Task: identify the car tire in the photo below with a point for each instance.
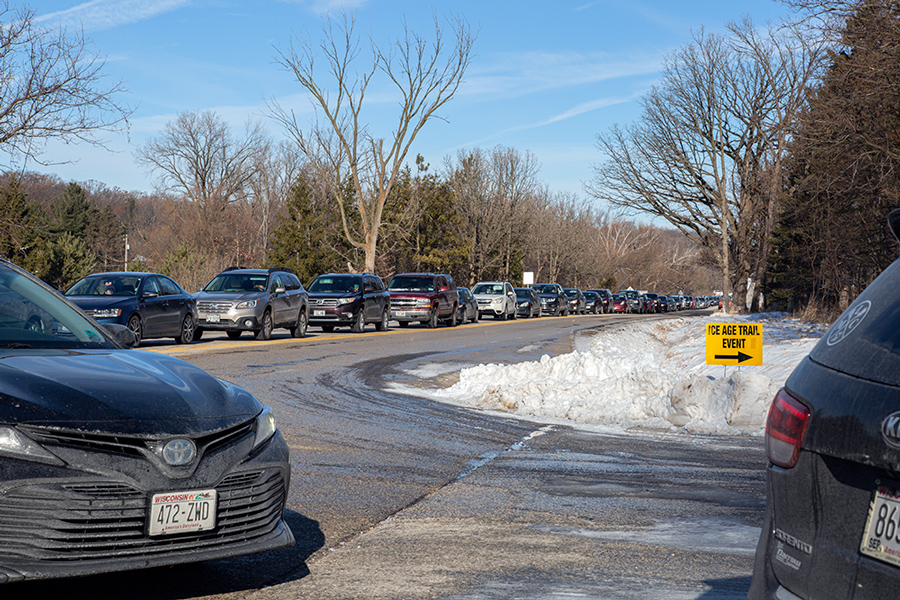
(432, 319)
(451, 322)
(475, 318)
(233, 334)
(382, 325)
(265, 332)
(327, 328)
(515, 314)
(403, 324)
(198, 333)
(137, 328)
(187, 330)
(299, 329)
(359, 323)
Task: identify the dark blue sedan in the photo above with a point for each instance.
(149, 304)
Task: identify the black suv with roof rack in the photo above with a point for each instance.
(257, 300)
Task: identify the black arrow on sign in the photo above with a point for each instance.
(740, 357)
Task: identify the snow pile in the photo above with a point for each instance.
(649, 374)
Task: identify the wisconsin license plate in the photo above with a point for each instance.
(318, 313)
(182, 512)
(881, 538)
(212, 318)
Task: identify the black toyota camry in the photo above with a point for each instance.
(832, 528)
(113, 458)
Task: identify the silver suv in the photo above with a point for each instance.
(257, 300)
(495, 298)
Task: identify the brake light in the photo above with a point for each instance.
(785, 428)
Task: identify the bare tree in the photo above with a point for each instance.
(341, 147)
(198, 157)
(51, 87)
(711, 134)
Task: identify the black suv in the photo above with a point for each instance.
(553, 299)
(257, 300)
(349, 299)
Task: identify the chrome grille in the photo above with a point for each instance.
(214, 308)
(326, 302)
(131, 445)
(103, 520)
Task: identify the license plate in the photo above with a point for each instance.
(881, 538)
(212, 318)
(318, 313)
(400, 313)
(181, 512)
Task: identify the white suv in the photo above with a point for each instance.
(495, 298)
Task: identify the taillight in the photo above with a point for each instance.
(785, 427)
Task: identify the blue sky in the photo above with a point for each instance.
(546, 76)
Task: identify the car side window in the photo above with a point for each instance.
(167, 286)
(276, 283)
(151, 286)
(378, 284)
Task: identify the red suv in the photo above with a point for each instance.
(424, 297)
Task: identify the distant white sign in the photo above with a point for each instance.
(528, 278)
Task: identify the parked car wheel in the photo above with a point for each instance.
(327, 328)
(359, 323)
(187, 330)
(403, 324)
(451, 322)
(233, 334)
(299, 330)
(432, 319)
(137, 328)
(265, 332)
(382, 325)
(198, 333)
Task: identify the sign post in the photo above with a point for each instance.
(734, 344)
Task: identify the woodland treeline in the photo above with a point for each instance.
(469, 223)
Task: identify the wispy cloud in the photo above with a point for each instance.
(97, 15)
(526, 73)
(324, 7)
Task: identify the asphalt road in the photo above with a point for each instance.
(395, 496)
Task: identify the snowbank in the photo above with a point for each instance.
(647, 374)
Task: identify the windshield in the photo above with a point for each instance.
(545, 289)
(571, 293)
(523, 293)
(411, 283)
(490, 289)
(106, 285)
(34, 316)
(339, 284)
(618, 297)
(237, 282)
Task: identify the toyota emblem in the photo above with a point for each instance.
(179, 452)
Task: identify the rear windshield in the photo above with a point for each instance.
(865, 340)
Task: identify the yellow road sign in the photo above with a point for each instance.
(734, 344)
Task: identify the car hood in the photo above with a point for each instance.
(99, 302)
(333, 294)
(399, 294)
(551, 296)
(123, 391)
(228, 296)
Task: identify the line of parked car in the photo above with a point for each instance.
(258, 301)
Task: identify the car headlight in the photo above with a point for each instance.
(345, 300)
(423, 303)
(265, 427)
(497, 300)
(106, 313)
(16, 444)
(247, 304)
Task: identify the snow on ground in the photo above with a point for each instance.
(646, 374)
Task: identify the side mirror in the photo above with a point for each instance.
(147, 295)
(894, 222)
(279, 290)
(122, 334)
